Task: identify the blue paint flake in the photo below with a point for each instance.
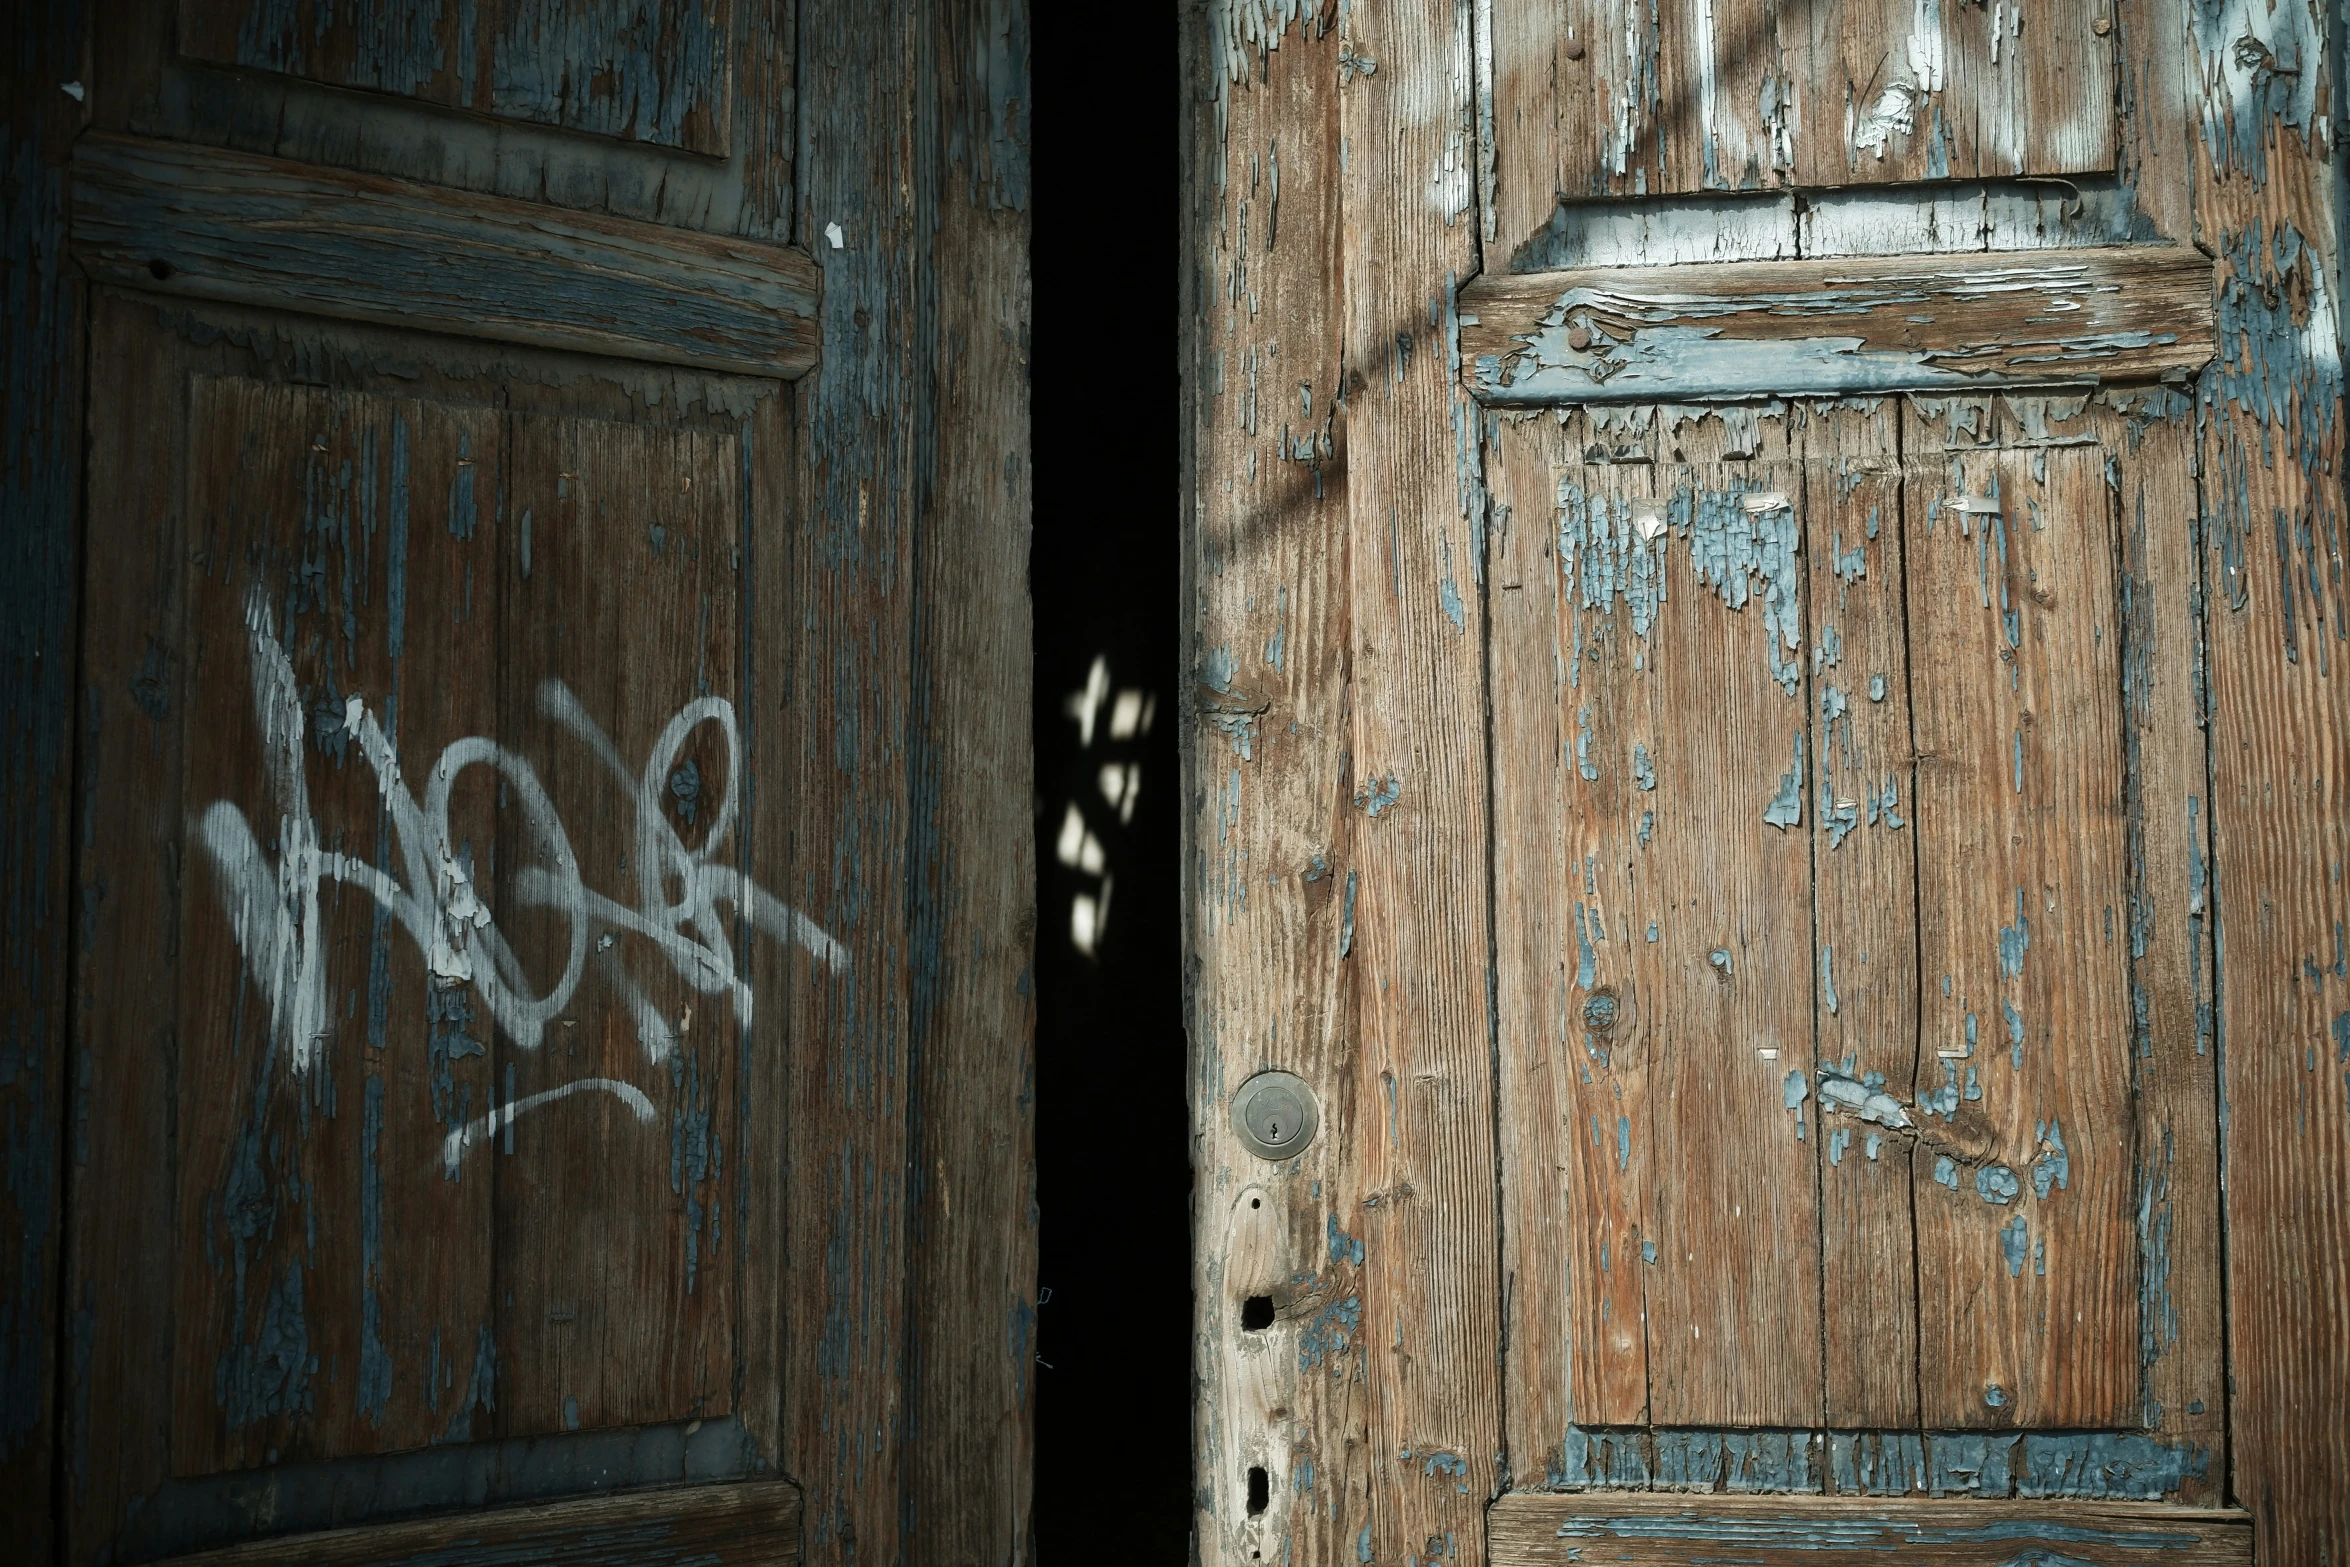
(2054, 1168)
(1786, 807)
(2013, 1245)
(1643, 768)
(1997, 1184)
(1377, 794)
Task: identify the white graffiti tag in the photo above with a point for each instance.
(274, 906)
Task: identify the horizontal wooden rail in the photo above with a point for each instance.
(201, 222)
(753, 1524)
(1824, 328)
(1653, 1528)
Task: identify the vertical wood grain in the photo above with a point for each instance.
(617, 1302)
(868, 423)
(2027, 1261)
(120, 1230)
(41, 360)
(1864, 870)
(2150, 443)
(2270, 413)
(1273, 891)
(1733, 1296)
(972, 1224)
(1421, 953)
(660, 72)
(1572, 1056)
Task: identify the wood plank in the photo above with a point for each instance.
(2271, 422)
(1848, 1532)
(1423, 1109)
(755, 1521)
(1864, 891)
(1617, 98)
(2027, 1254)
(619, 683)
(657, 71)
(1271, 903)
(868, 427)
(1569, 1058)
(1827, 327)
(210, 224)
(152, 89)
(1734, 1286)
(42, 358)
(121, 1228)
(327, 1276)
(972, 1234)
(2150, 441)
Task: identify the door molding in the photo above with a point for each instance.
(195, 221)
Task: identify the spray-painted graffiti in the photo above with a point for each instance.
(273, 905)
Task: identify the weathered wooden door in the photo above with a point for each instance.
(1770, 654)
(547, 1041)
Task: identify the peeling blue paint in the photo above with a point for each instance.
(2012, 1245)
(1786, 807)
(2054, 1168)
(2131, 1465)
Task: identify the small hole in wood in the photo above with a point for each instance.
(160, 270)
(1256, 1313)
(1256, 1202)
(1260, 1491)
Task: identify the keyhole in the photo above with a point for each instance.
(1273, 1131)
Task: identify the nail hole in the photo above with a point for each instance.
(1256, 1202)
(1260, 1491)
(1256, 1313)
(160, 270)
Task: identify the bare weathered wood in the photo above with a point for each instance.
(2150, 445)
(228, 226)
(847, 709)
(2027, 1262)
(620, 1301)
(657, 71)
(755, 1524)
(972, 1234)
(1864, 892)
(42, 351)
(1608, 98)
(1829, 327)
(153, 89)
(1570, 1232)
(1423, 1097)
(2271, 425)
(1272, 904)
(119, 1227)
(1838, 1532)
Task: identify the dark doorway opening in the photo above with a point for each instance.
(1113, 1383)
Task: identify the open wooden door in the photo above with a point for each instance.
(1770, 644)
(547, 1040)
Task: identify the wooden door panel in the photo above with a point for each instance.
(1864, 901)
(1615, 98)
(654, 71)
(318, 1063)
(1755, 829)
(431, 704)
(2024, 922)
